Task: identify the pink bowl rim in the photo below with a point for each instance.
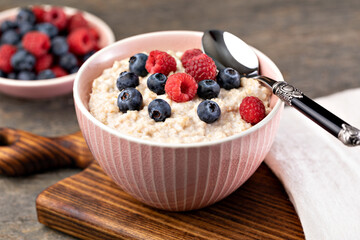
(106, 128)
(109, 34)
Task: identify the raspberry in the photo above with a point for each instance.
(189, 54)
(252, 110)
(6, 52)
(43, 62)
(36, 42)
(160, 62)
(94, 33)
(57, 17)
(77, 21)
(58, 71)
(201, 67)
(81, 41)
(181, 87)
(39, 13)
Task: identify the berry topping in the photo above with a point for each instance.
(47, 28)
(81, 41)
(208, 89)
(127, 80)
(37, 43)
(201, 67)
(229, 78)
(43, 62)
(160, 62)
(74, 69)
(39, 13)
(7, 25)
(87, 55)
(56, 16)
(46, 74)
(156, 83)
(208, 111)
(6, 52)
(137, 64)
(10, 37)
(44, 37)
(58, 71)
(129, 99)
(26, 15)
(252, 110)
(59, 46)
(26, 75)
(12, 75)
(159, 110)
(25, 28)
(77, 21)
(23, 61)
(189, 54)
(68, 61)
(94, 33)
(181, 87)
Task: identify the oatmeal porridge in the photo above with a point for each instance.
(184, 124)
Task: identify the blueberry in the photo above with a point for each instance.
(59, 46)
(20, 46)
(208, 89)
(47, 28)
(89, 54)
(10, 37)
(159, 110)
(127, 80)
(137, 64)
(23, 61)
(2, 74)
(25, 28)
(7, 25)
(74, 69)
(208, 111)
(129, 99)
(228, 78)
(156, 83)
(12, 75)
(45, 74)
(26, 75)
(25, 15)
(68, 61)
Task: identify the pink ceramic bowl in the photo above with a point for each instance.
(174, 177)
(57, 86)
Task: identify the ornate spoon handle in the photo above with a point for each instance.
(346, 133)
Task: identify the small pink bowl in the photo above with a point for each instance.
(57, 86)
(175, 177)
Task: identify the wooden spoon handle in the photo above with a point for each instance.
(23, 153)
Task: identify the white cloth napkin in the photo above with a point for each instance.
(320, 174)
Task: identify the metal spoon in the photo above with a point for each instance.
(227, 50)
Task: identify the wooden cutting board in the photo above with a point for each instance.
(90, 206)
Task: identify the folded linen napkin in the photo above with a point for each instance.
(320, 174)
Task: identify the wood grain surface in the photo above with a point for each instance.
(90, 206)
(23, 153)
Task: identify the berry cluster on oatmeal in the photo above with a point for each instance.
(177, 97)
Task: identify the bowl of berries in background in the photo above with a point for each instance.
(136, 80)
(42, 47)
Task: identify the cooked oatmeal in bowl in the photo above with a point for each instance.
(184, 124)
(169, 140)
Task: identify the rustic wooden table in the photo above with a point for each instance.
(315, 44)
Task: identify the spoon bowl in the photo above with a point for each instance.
(230, 51)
